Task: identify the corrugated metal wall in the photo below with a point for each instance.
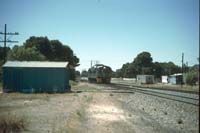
(30, 80)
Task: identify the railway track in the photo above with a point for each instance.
(184, 97)
(179, 96)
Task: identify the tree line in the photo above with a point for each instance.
(143, 64)
(42, 49)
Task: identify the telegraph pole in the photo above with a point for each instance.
(95, 62)
(182, 68)
(5, 33)
(182, 61)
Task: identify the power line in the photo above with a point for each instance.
(5, 33)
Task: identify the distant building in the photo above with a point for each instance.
(145, 79)
(165, 79)
(35, 76)
(176, 78)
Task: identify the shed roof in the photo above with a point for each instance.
(177, 74)
(38, 64)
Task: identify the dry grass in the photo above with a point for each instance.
(173, 87)
(12, 123)
(194, 88)
(73, 83)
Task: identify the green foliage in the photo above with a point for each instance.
(41, 44)
(2, 52)
(143, 59)
(25, 54)
(78, 74)
(41, 48)
(131, 71)
(72, 83)
(143, 64)
(170, 68)
(72, 75)
(84, 73)
(53, 50)
(157, 70)
(191, 78)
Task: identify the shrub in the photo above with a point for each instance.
(191, 78)
(12, 124)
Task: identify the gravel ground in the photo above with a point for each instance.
(171, 115)
(96, 110)
(155, 114)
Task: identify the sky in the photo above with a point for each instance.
(111, 32)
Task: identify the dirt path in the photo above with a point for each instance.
(100, 113)
(103, 112)
(106, 115)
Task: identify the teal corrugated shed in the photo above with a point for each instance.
(30, 77)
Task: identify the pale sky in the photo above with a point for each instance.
(112, 32)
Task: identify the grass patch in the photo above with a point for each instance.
(86, 88)
(21, 96)
(111, 94)
(12, 123)
(81, 114)
(88, 98)
(72, 83)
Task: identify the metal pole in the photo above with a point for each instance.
(4, 58)
(182, 68)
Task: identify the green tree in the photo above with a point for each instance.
(131, 71)
(124, 69)
(2, 52)
(157, 70)
(170, 68)
(143, 63)
(42, 44)
(84, 73)
(191, 78)
(21, 53)
(53, 50)
(78, 74)
(119, 73)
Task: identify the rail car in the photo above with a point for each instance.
(100, 73)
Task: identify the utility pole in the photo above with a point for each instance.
(5, 33)
(95, 62)
(91, 63)
(182, 62)
(182, 69)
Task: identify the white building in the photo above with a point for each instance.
(165, 79)
(145, 79)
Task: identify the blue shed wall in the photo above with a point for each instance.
(176, 79)
(31, 80)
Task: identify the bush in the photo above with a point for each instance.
(191, 78)
(12, 124)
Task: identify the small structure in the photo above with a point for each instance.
(176, 78)
(35, 76)
(165, 79)
(145, 79)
